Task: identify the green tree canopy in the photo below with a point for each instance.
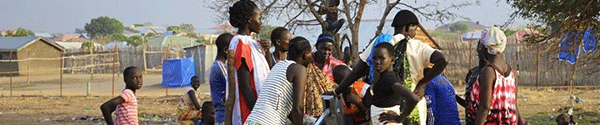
(509, 31)
(136, 40)
(459, 27)
(87, 45)
(104, 26)
(23, 32)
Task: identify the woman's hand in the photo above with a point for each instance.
(389, 117)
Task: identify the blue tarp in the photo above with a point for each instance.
(178, 72)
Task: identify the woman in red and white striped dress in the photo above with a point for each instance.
(492, 100)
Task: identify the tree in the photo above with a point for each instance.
(175, 29)
(136, 40)
(188, 28)
(509, 31)
(23, 32)
(459, 27)
(293, 11)
(10, 32)
(104, 26)
(87, 45)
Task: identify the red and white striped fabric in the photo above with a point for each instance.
(503, 103)
(127, 112)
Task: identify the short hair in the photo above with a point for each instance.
(240, 13)
(404, 18)
(298, 45)
(277, 33)
(128, 72)
(324, 37)
(194, 77)
(223, 41)
(206, 105)
(386, 46)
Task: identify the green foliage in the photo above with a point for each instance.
(138, 25)
(509, 31)
(459, 27)
(104, 26)
(136, 40)
(183, 28)
(87, 45)
(151, 34)
(265, 31)
(119, 37)
(23, 32)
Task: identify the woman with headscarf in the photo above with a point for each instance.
(323, 58)
(411, 57)
(251, 66)
(492, 100)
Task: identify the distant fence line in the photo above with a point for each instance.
(526, 62)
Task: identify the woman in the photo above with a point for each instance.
(280, 38)
(188, 109)
(283, 91)
(388, 90)
(323, 59)
(251, 66)
(492, 99)
(411, 58)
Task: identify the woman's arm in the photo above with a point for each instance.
(360, 69)
(110, 106)
(296, 74)
(244, 84)
(440, 62)
(194, 99)
(411, 102)
(486, 82)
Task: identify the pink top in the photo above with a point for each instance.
(127, 112)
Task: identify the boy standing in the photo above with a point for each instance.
(126, 103)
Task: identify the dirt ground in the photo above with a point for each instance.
(38, 102)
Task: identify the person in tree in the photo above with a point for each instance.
(251, 66)
(124, 105)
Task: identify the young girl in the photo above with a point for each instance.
(388, 91)
(126, 103)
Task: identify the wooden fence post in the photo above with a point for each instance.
(61, 72)
(231, 87)
(28, 67)
(166, 67)
(10, 70)
(92, 63)
(115, 49)
(144, 60)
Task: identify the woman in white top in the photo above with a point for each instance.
(283, 91)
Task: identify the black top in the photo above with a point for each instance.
(386, 92)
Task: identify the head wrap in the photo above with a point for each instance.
(494, 40)
(325, 37)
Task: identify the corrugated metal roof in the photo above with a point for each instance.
(9, 43)
(16, 43)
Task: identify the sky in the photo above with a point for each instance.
(63, 16)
